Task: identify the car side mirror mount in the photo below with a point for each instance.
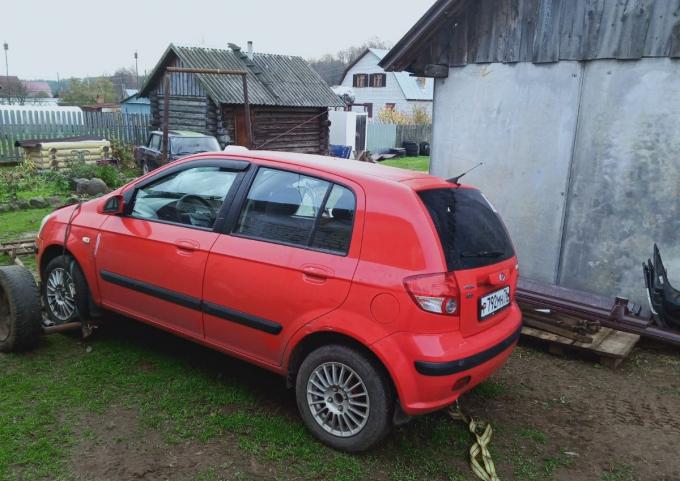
(114, 205)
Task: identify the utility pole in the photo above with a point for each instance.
(137, 70)
(9, 87)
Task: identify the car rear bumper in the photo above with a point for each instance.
(427, 368)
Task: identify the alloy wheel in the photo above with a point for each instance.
(338, 399)
(61, 294)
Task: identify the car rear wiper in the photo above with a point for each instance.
(492, 254)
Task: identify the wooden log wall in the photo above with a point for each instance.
(310, 138)
(542, 31)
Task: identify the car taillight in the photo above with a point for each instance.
(437, 293)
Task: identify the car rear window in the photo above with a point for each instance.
(470, 231)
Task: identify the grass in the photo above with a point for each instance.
(490, 390)
(412, 163)
(13, 224)
(189, 393)
(619, 473)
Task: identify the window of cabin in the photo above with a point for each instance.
(378, 79)
(390, 106)
(360, 80)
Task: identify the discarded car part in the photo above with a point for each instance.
(619, 314)
(20, 317)
(664, 300)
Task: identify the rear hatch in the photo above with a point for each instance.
(478, 250)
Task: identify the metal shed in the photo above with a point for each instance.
(574, 106)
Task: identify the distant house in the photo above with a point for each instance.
(134, 104)
(377, 89)
(288, 100)
(24, 92)
(37, 88)
(574, 108)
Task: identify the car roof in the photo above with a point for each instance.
(350, 169)
(181, 133)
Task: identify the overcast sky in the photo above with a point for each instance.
(87, 37)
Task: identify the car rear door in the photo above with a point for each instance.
(289, 257)
(151, 260)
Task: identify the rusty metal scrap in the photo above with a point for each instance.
(617, 313)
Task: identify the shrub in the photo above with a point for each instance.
(108, 173)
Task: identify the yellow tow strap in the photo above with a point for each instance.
(485, 470)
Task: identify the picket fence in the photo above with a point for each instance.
(124, 128)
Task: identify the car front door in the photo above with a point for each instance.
(151, 260)
(288, 258)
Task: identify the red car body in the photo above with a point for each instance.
(268, 303)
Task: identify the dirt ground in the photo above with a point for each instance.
(590, 423)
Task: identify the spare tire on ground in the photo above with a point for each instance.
(20, 310)
(424, 148)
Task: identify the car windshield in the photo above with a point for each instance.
(191, 145)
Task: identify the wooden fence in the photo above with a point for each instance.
(128, 129)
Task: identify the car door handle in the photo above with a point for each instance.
(187, 245)
(316, 273)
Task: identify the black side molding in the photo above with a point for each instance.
(183, 300)
(150, 289)
(242, 318)
(452, 367)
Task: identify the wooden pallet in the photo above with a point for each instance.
(611, 346)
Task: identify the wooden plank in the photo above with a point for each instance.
(664, 21)
(593, 24)
(611, 346)
(484, 25)
(528, 16)
(513, 33)
(572, 28)
(458, 43)
(634, 27)
(611, 28)
(546, 41)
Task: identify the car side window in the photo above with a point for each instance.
(192, 197)
(155, 142)
(290, 208)
(334, 230)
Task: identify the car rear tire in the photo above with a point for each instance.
(344, 397)
(66, 296)
(20, 313)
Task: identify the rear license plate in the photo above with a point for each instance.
(494, 302)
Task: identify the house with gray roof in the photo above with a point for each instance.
(377, 89)
(288, 100)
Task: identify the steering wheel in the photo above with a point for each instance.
(184, 200)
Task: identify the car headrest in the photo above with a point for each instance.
(344, 207)
(285, 201)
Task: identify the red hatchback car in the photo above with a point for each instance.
(379, 293)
